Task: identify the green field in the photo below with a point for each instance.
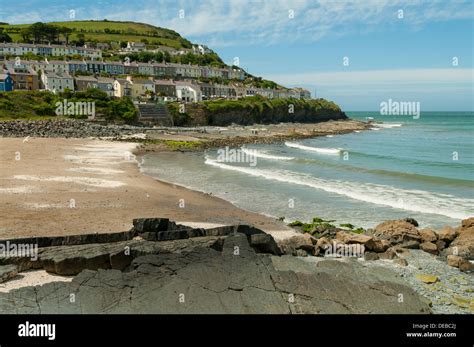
(107, 31)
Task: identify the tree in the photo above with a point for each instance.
(25, 35)
(81, 39)
(37, 30)
(4, 37)
(66, 33)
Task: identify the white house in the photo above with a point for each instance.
(135, 47)
(59, 66)
(57, 82)
(201, 49)
(188, 92)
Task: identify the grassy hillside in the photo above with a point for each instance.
(36, 105)
(106, 31)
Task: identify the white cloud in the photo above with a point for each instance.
(230, 22)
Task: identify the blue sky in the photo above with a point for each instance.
(304, 42)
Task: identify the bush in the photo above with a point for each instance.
(44, 109)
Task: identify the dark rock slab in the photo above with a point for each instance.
(264, 243)
(194, 276)
(7, 272)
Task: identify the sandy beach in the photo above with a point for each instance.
(73, 186)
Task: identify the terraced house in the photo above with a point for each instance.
(6, 82)
(114, 68)
(143, 88)
(122, 87)
(106, 84)
(85, 82)
(163, 70)
(19, 49)
(24, 78)
(57, 82)
(77, 66)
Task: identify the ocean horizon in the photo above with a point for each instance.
(404, 166)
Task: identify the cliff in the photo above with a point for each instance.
(256, 110)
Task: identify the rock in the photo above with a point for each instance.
(221, 281)
(151, 225)
(350, 238)
(412, 244)
(463, 244)
(400, 250)
(461, 301)
(428, 235)
(412, 221)
(71, 260)
(301, 253)
(291, 245)
(466, 266)
(388, 254)
(321, 246)
(377, 245)
(454, 260)
(400, 261)
(63, 128)
(447, 234)
(440, 244)
(429, 247)
(311, 238)
(467, 223)
(371, 256)
(264, 243)
(7, 272)
(427, 278)
(397, 231)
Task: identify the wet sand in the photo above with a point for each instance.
(60, 186)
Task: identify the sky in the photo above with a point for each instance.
(356, 53)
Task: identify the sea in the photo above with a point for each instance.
(404, 166)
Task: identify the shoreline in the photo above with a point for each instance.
(66, 186)
(110, 189)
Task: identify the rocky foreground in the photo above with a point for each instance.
(155, 138)
(161, 267)
(437, 264)
(63, 129)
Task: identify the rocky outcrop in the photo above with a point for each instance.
(447, 234)
(304, 243)
(205, 278)
(428, 235)
(397, 232)
(429, 247)
(390, 238)
(461, 249)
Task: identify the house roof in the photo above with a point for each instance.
(165, 82)
(142, 81)
(105, 80)
(56, 75)
(123, 81)
(86, 78)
